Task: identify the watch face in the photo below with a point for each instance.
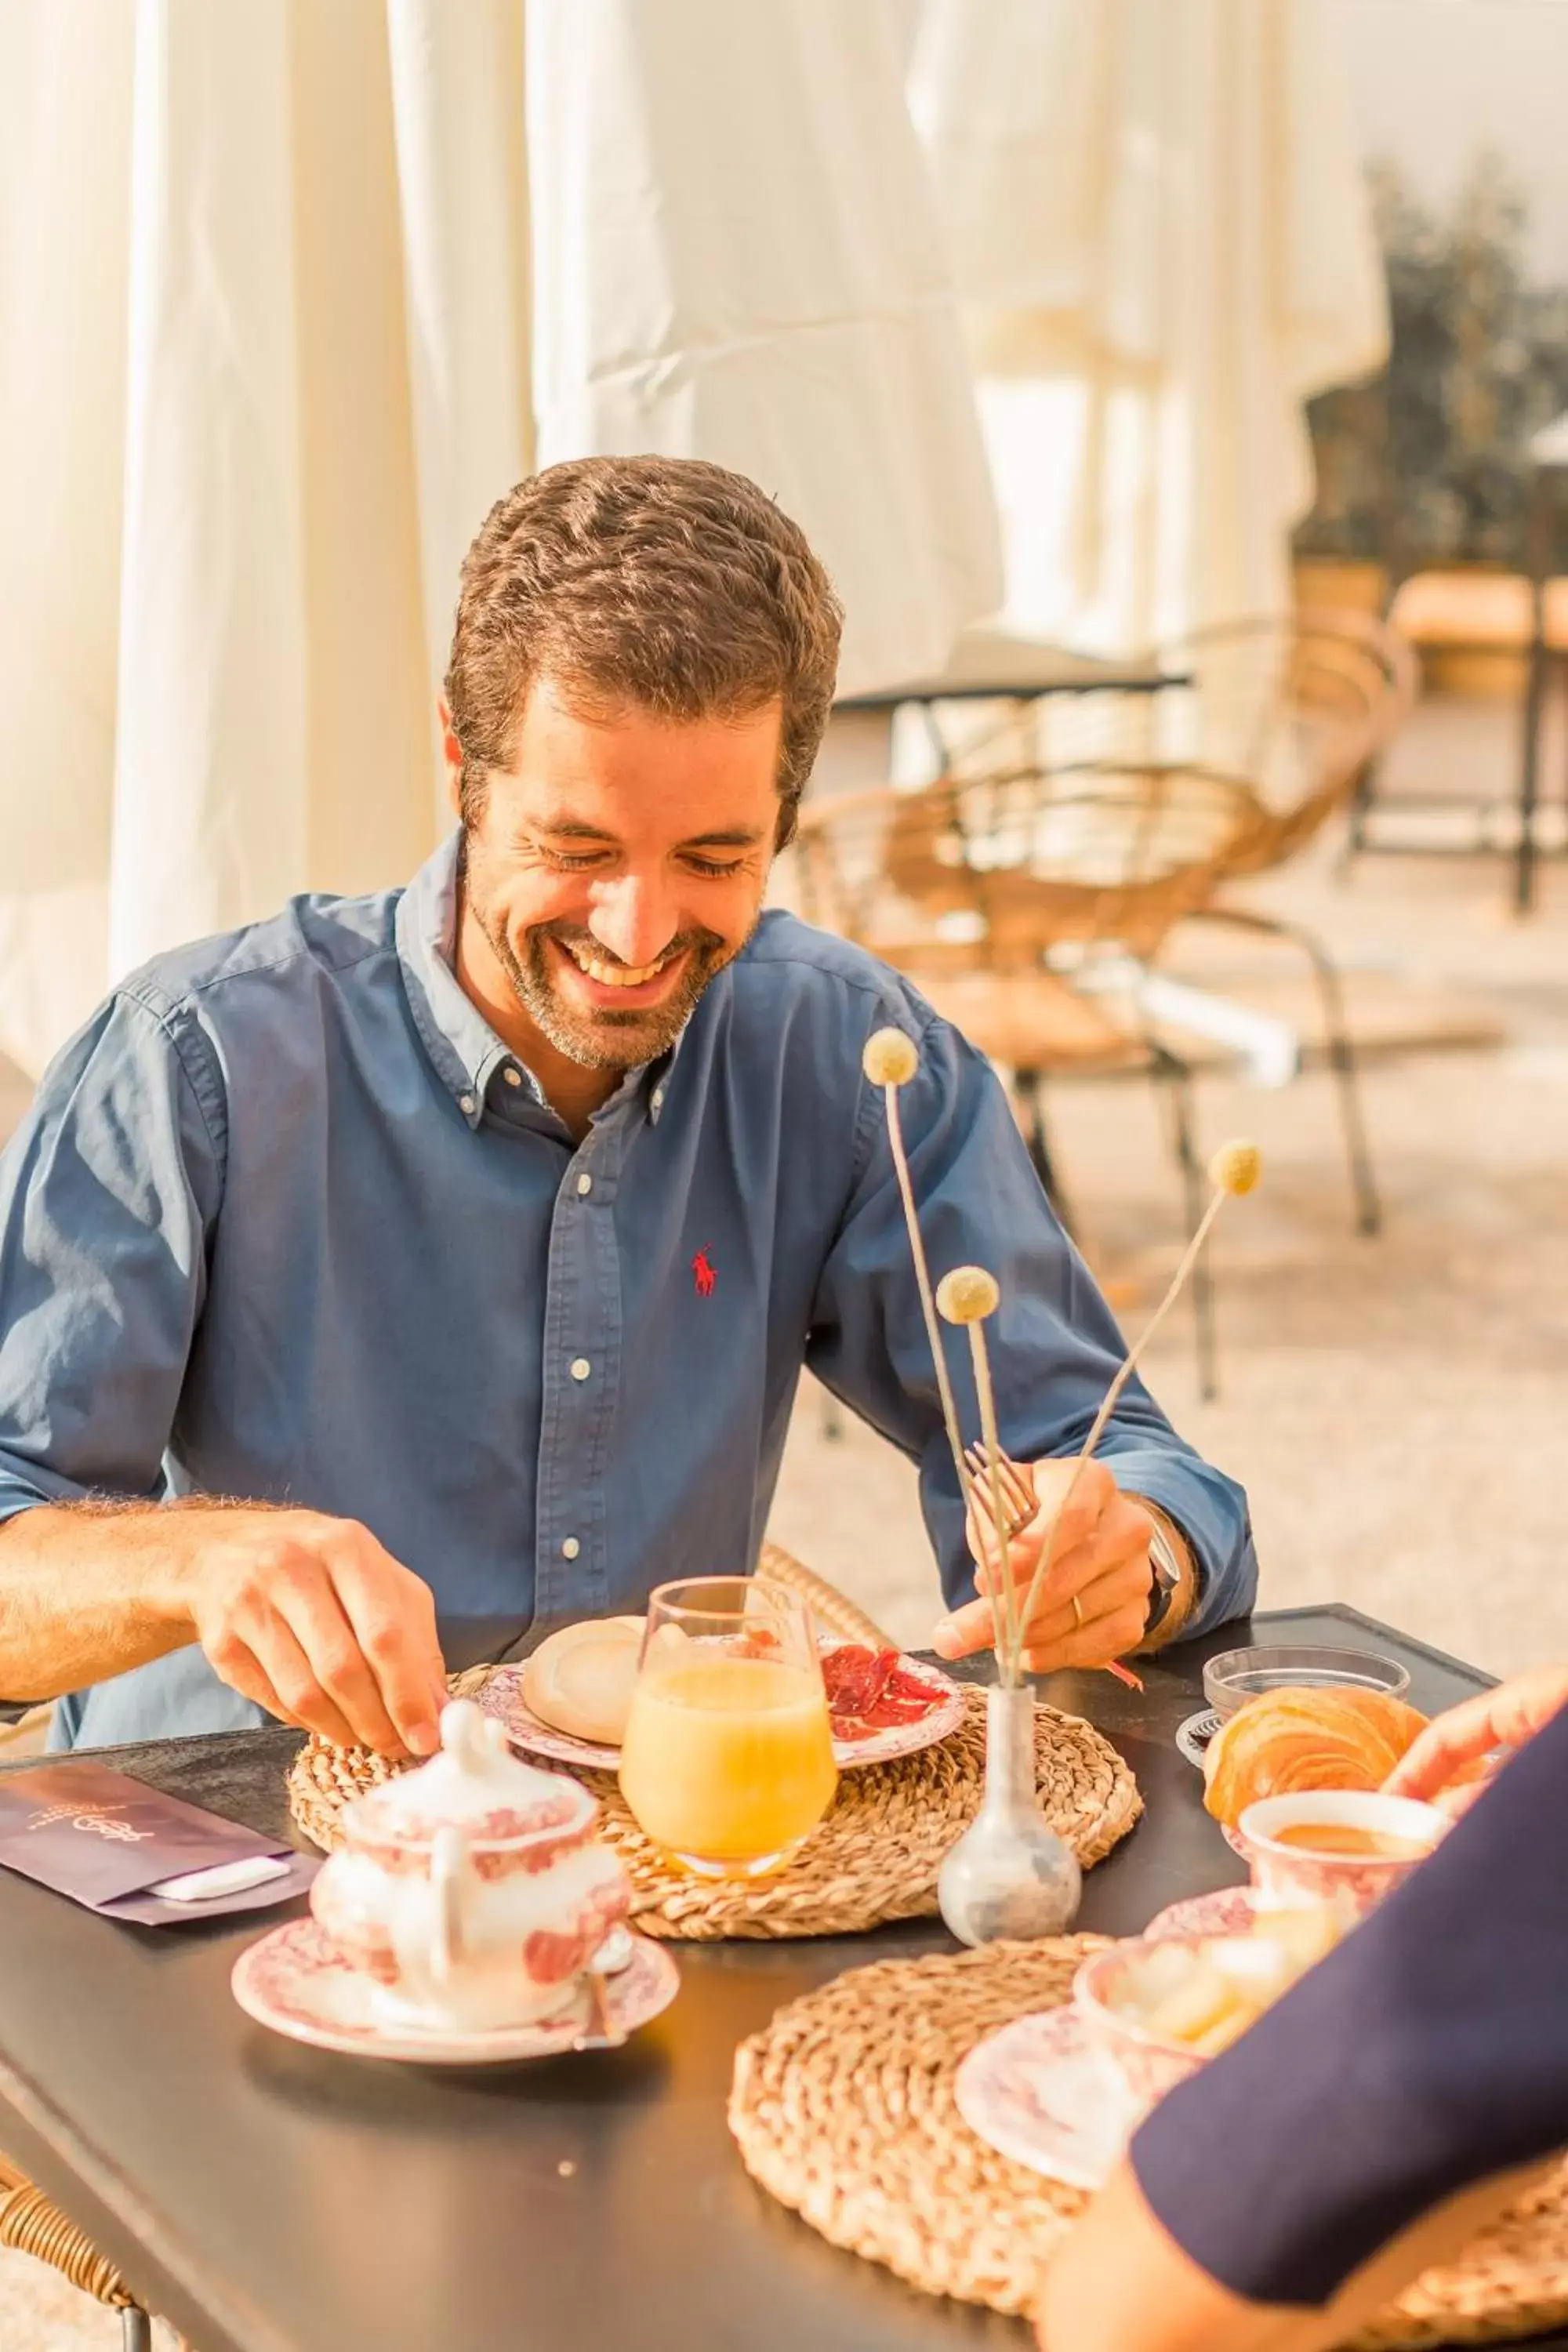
(1166, 1576)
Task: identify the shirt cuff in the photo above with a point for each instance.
(20, 1493)
(1211, 1512)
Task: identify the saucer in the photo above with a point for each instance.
(502, 1698)
(296, 1982)
(1228, 1911)
(1040, 2092)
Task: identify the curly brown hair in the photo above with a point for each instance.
(663, 581)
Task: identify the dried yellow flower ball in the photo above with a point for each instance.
(968, 1295)
(889, 1058)
(1235, 1167)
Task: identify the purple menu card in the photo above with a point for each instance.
(106, 1839)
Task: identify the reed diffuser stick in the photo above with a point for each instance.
(1234, 1170)
(889, 1061)
(967, 1295)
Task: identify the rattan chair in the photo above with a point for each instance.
(967, 885)
(1293, 714)
(32, 2224)
(1310, 704)
(1292, 707)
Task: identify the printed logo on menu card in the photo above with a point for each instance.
(704, 1274)
(97, 1824)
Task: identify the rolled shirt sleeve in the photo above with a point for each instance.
(1053, 1344)
(1428, 2054)
(108, 1194)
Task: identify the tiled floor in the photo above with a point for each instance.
(1396, 1407)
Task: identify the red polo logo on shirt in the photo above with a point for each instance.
(703, 1274)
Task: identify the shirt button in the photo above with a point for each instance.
(581, 1368)
(585, 1186)
(571, 1548)
(513, 1077)
(466, 1104)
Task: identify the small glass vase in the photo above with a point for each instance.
(1009, 1874)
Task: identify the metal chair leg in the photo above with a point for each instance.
(136, 2329)
(1177, 1079)
(1336, 1038)
(1361, 807)
(1530, 767)
(1343, 1063)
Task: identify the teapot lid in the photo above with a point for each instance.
(473, 1783)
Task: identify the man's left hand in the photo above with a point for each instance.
(1100, 1560)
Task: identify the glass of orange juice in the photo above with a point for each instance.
(727, 1760)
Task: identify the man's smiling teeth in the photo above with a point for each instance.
(615, 975)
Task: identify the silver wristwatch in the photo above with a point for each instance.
(1166, 1575)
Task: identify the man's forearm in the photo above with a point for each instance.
(1121, 2284)
(91, 1590)
(305, 1615)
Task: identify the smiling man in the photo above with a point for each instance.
(402, 1276)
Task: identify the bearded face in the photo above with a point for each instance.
(617, 866)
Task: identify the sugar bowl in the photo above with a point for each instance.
(472, 1891)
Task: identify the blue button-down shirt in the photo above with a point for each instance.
(289, 1221)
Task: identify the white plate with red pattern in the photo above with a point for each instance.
(297, 1982)
(939, 1698)
(1039, 2092)
(1226, 1912)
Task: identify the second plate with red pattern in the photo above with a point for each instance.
(502, 1698)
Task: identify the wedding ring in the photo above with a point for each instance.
(1077, 1612)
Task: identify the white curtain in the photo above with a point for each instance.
(1159, 230)
(739, 255)
(281, 287)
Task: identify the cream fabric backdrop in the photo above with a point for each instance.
(280, 286)
(1160, 229)
(773, 293)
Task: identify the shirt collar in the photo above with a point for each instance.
(462, 1046)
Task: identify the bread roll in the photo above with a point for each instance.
(1285, 1741)
(580, 1680)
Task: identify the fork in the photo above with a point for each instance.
(1020, 1503)
(1018, 1487)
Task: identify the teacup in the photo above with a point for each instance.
(473, 1890)
(1104, 2000)
(1288, 1872)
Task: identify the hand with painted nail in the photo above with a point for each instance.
(1459, 1752)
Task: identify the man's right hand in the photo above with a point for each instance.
(1457, 1752)
(310, 1617)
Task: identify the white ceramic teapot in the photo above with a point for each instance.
(473, 1890)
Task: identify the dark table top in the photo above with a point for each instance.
(269, 2198)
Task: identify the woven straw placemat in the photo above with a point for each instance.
(873, 1859)
(843, 2108)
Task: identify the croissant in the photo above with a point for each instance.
(1285, 1741)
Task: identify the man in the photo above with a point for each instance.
(1399, 2098)
(410, 1272)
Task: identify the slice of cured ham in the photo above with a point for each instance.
(870, 1690)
